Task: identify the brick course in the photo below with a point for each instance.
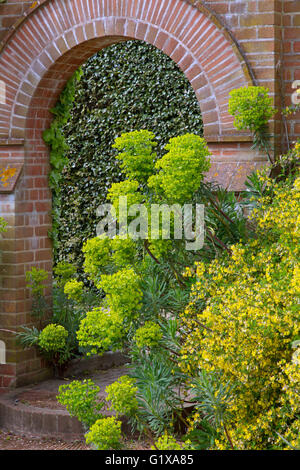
(219, 45)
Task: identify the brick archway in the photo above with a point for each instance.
(59, 35)
(39, 55)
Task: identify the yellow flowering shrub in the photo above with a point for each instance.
(242, 319)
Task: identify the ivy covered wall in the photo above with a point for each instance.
(125, 87)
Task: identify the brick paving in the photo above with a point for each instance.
(33, 410)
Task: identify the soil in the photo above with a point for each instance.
(40, 399)
(12, 441)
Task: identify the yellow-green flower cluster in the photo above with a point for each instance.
(64, 272)
(122, 395)
(123, 292)
(181, 169)
(128, 188)
(53, 338)
(101, 330)
(148, 335)
(73, 290)
(103, 252)
(81, 400)
(105, 434)
(104, 328)
(97, 256)
(168, 442)
(251, 106)
(137, 158)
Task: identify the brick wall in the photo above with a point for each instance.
(264, 29)
(269, 33)
(218, 44)
(291, 60)
(10, 12)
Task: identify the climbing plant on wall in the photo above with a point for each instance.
(125, 87)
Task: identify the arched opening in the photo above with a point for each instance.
(125, 87)
(36, 62)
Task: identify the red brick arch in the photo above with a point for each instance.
(38, 56)
(59, 35)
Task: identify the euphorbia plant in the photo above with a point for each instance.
(252, 108)
(142, 280)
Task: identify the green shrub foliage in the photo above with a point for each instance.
(81, 400)
(125, 87)
(105, 434)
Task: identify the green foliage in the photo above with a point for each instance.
(213, 400)
(81, 400)
(181, 169)
(3, 225)
(148, 335)
(35, 278)
(56, 342)
(252, 108)
(105, 434)
(35, 281)
(127, 86)
(157, 383)
(55, 138)
(28, 336)
(68, 313)
(63, 272)
(53, 338)
(122, 395)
